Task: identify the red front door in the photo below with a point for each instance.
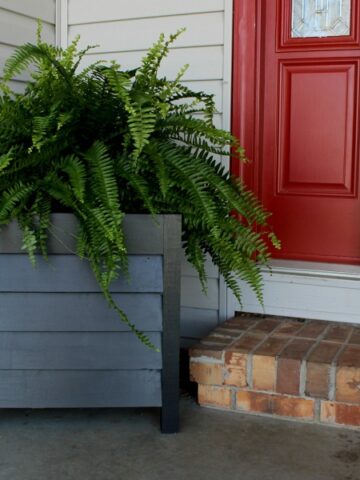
(296, 108)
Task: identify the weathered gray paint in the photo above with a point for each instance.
(67, 273)
(54, 322)
(63, 235)
(79, 388)
(58, 312)
(77, 351)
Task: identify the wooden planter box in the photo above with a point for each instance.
(60, 344)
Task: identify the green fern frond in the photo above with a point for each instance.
(141, 123)
(77, 176)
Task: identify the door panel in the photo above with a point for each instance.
(316, 128)
(305, 144)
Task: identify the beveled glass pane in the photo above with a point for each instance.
(320, 18)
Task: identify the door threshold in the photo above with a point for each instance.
(314, 269)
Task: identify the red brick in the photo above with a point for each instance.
(338, 333)
(324, 352)
(355, 337)
(272, 346)
(289, 328)
(236, 369)
(207, 351)
(235, 377)
(246, 343)
(297, 349)
(254, 402)
(317, 380)
(242, 323)
(214, 396)
(312, 329)
(275, 404)
(295, 407)
(228, 333)
(266, 326)
(350, 357)
(206, 373)
(318, 369)
(215, 339)
(327, 412)
(348, 385)
(263, 372)
(235, 359)
(288, 376)
(340, 413)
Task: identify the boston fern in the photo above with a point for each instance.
(102, 142)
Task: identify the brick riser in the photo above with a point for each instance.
(305, 370)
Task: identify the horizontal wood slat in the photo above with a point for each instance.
(76, 351)
(67, 273)
(84, 389)
(77, 312)
(63, 232)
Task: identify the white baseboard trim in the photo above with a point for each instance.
(305, 290)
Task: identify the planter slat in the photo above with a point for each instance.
(73, 312)
(60, 344)
(67, 273)
(77, 350)
(80, 388)
(62, 239)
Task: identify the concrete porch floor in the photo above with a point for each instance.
(213, 445)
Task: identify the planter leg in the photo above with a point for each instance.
(170, 417)
(171, 328)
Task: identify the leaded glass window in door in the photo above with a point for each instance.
(320, 18)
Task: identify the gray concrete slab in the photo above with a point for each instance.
(213, 445)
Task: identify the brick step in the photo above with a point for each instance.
(302, 369)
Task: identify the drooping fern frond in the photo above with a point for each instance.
(102, 142)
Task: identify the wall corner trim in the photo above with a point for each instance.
(61, 24)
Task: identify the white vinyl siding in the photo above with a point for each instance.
(18, 23)
(123, 30)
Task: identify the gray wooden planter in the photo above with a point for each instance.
(60, 344)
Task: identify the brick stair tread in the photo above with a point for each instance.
(262, 364)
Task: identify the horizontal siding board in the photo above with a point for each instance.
(205, 63)
(23, 76)
(67, 273)
(77, 312)
(85, 389)
(201, 30)
(305, 297)
(77, 351)
(197, 322)
(17, 87)
(87, 11)
(212, 87)
(16, 29)
(188, 270)
(193, 296)
(43, 9)
(142, 235)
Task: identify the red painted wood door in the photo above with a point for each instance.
(302, 108)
